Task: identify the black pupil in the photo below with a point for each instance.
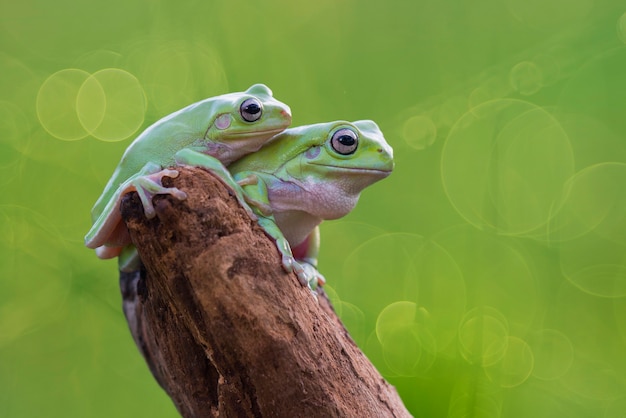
(346, 140)
(252, 108)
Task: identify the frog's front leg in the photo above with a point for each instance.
(149, 183)
(263, 207)
(257, 191)
(194, 158)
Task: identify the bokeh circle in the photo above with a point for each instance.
(504, 164)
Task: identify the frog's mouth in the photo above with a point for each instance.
(380, 171)
(250, 134)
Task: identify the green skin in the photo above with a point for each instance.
(300, 179)
(224, 127)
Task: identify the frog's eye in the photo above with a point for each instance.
(344, 141)
(251, 110)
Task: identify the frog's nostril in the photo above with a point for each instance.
(380, 150)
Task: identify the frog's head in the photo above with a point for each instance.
(245, 121)
(320, 169)
(325, 166)
(351, 155)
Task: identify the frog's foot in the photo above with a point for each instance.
(150, 185)
(313, 276)
(308, 276)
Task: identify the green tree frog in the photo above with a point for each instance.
(308, 174)
(225, 127)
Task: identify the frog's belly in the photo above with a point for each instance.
(296, 225)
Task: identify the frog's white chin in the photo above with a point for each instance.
(321, 200)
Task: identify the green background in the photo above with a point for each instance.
(485, 278)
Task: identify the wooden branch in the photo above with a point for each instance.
(225, 331)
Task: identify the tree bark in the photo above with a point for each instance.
(225, 331)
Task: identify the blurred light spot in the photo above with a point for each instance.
(515, 366)
(91, 104)
(503, 165)
(591, 226)
(526, 78)
(595, 265)
(588, 321)
(111, 104)
(553, 354)
(56, 104)
(621, 28)
(383, 265)
(410, 351)
(404, 332)
(483, 336)
(420, 132)
(374, 351)
(592, 200)
(595, 378)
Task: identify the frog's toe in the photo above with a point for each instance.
(177, 193)
(303, 274)
(263, 208)
(150, 212)
(321, 280)
(312, 276)
(167, 172)
(148, 208)
(150, 185)
(288, 263)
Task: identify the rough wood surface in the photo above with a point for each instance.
(225, 331)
